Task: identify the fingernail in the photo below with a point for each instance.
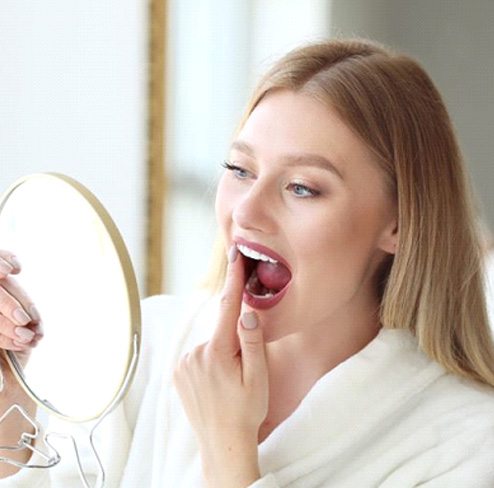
(33, 311)
(39, 330)
(21, 317)
(5, 268)
(232, 254)
(25, 335)
(15, 262)
(19, 344)
(249, 320)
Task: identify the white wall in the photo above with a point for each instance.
(73, 83)
(453, 39)
(280, 25)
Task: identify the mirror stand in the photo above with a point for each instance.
(52, 456)
(26, 441)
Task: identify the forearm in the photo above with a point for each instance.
(232, 463)
(14, 425)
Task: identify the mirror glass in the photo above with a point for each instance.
(77, 271)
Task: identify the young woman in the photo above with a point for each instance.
(349, 345)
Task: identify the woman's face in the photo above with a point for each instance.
(303, 190)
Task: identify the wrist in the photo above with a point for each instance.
(231, 463)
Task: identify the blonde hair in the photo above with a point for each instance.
(434, 285)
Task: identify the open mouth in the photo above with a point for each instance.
(267, 278)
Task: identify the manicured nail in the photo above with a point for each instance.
(19, 344)
(35, 316)
(24, 335)
(5, 267)
(15, 262)
(20, 317)
(232, 254)
(39, 331)
(249, 320)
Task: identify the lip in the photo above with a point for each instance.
(263, 303)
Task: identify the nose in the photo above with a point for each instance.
(255, 210)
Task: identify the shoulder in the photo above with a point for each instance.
(442, 422)
(400, 349)
(424, 395)
(449, 395)
(462, 404)
(458, 416)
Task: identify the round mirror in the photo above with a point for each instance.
(77, 271)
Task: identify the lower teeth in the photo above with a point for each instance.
(256, 289)
(267, 295)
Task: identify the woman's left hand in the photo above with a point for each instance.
(223, 385)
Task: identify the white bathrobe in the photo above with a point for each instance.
(386, 417)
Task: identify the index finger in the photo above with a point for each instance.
(19, 294)
(8, 264)
(225, 335)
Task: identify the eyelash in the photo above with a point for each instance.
(242, 174)
(311, 193)
(235, 169)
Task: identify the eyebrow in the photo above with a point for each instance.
(300, 159)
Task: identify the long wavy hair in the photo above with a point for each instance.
(434, 284)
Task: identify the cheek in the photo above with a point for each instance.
(334, 243)
(319, 235)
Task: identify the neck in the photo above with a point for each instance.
(296, 362)
(315, 350)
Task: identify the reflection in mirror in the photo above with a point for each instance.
(77, 271)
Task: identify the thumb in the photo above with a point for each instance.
(254, 364)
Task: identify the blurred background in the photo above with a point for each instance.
(77, 96)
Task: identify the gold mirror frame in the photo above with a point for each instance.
(156, 177)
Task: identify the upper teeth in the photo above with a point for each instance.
(250, 253)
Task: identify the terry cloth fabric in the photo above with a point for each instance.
(387, 417)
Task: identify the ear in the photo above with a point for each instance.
(389, 238)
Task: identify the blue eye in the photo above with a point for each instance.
(239, 172)
(302, 191)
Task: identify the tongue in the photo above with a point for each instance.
(273, 276)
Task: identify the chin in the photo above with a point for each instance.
(274, 327)
(271, 336)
